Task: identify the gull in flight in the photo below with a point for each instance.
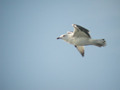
(80, 37)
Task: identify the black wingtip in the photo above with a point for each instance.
(82, 54)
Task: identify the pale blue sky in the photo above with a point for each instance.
(32, 58)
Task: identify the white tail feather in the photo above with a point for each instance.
(100, 42)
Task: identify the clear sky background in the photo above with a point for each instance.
(32, 58)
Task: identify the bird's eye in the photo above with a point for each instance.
(63, 35)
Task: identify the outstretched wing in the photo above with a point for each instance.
(80, 31)
(80, 49)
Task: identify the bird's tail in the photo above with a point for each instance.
(100, 42)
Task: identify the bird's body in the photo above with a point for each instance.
(80, 37)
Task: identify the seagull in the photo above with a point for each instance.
(80, 37)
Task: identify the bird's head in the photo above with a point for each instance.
(64, 36)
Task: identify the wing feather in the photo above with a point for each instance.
(80, 49)
(80, 31)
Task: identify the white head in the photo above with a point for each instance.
(65, 36)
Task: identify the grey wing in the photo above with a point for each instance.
(80, 31)
(80, 49)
